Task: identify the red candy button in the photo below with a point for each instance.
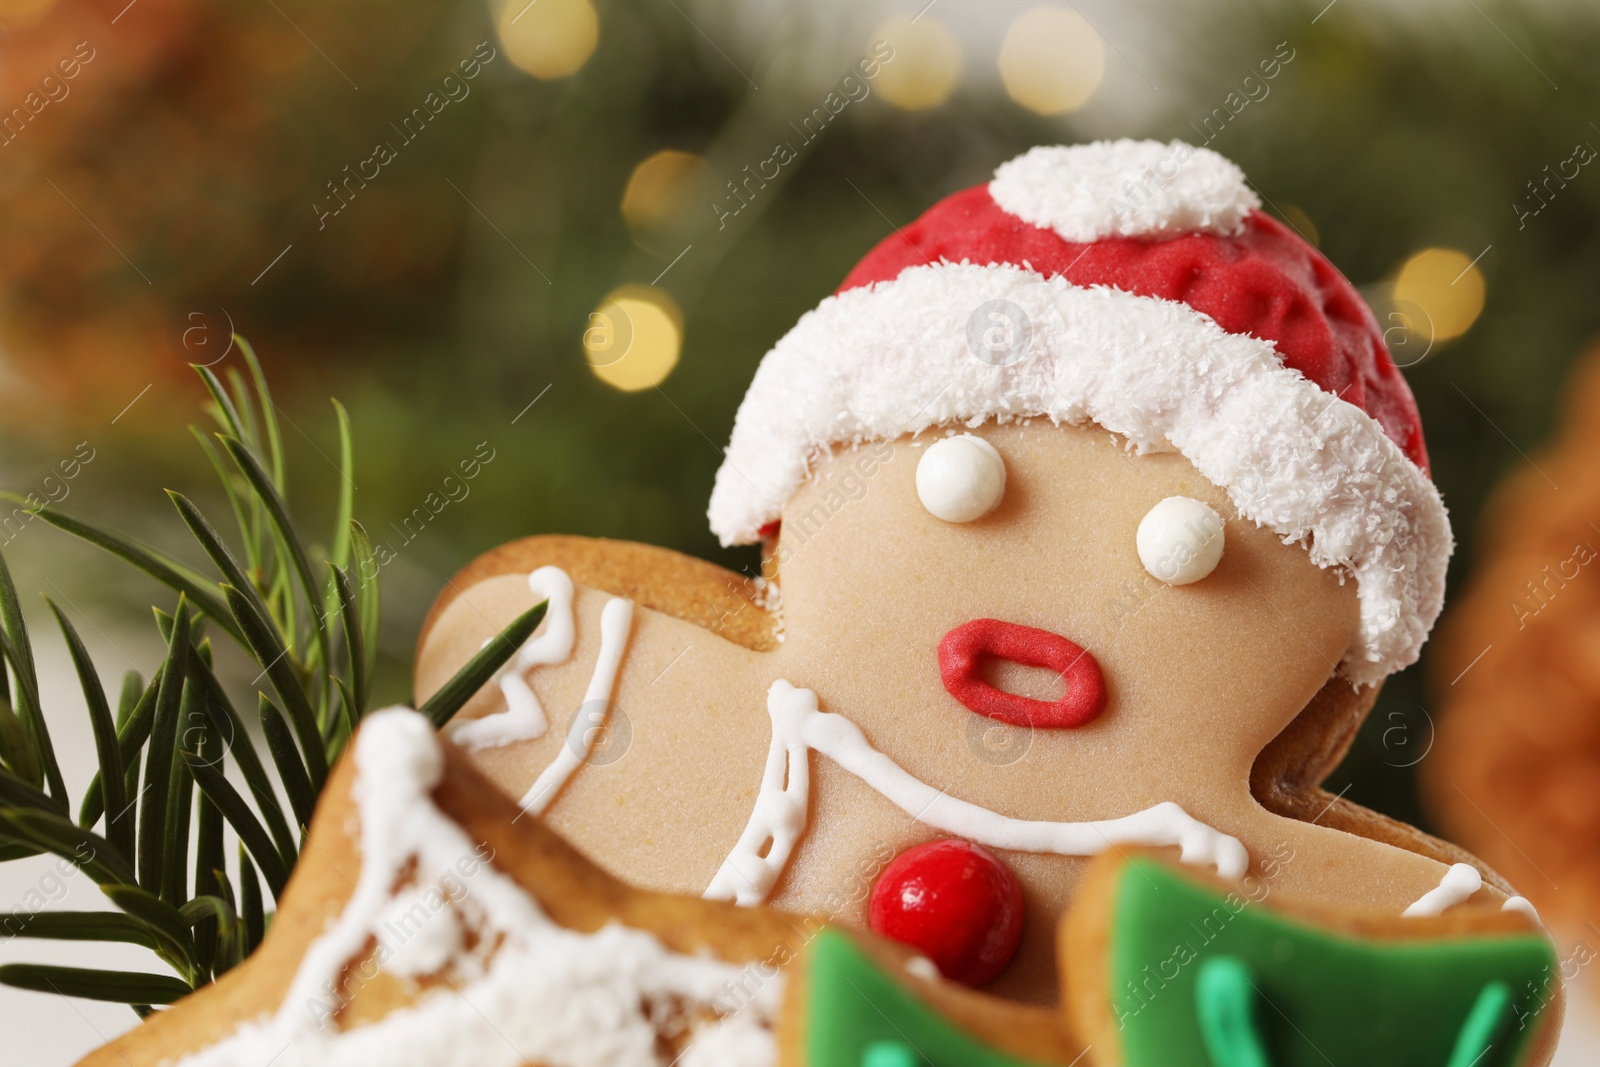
(954, 903)
(964, 649)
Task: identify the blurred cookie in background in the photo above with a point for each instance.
(1515, 775)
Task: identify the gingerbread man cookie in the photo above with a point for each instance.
(1093, 512)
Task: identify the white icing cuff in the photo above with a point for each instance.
(880, 361)
(1522, 906)
(1458, 884)
(1124, 189)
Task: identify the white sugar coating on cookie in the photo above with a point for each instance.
(1124, 188)
(525, 989)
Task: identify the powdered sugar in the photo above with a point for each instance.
(1124, 189)
(880, 361)
(522, 990)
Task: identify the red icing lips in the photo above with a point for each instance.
(964, 650)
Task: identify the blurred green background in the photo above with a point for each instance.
(195, 171)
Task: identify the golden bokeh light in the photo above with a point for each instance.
(633, 338)
(548, 38)
(1298, 221)
(1051, 60)
(926, 67)
(1446, 287)
(661, 186)
(20, 13)
(15, 14)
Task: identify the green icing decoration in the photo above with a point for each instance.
(1225, 998)
(1484, 1024)
(1316, 997)
(860, 1015)
(889, 1054)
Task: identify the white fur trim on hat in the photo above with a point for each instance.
(894, 358)
(1124, 188)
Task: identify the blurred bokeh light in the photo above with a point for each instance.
(659, 190)
(633, 338)
(1447, 286)
(549, 38)
(15, 14)
(926, 68)
(1300, 222)
(1052, 60)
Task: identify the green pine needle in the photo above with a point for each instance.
(119, 829)
(162, 761)
(77, 926)
(286, 758)
(480, 668)
(120, 987)
(163, 741)
(19, 654)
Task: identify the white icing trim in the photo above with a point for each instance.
(1459, 882)
(526, 990)
(1522, 906)
(779, 813)
(1124, 188)
(524, 718)
(616, 618)
(779, 816)
(880, 361)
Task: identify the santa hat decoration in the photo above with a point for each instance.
(1144, 291)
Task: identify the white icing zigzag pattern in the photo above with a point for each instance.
(798, 726)
(524, 718)
(616, 619)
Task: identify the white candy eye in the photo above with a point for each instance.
(961, 478)
(1180, 540)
